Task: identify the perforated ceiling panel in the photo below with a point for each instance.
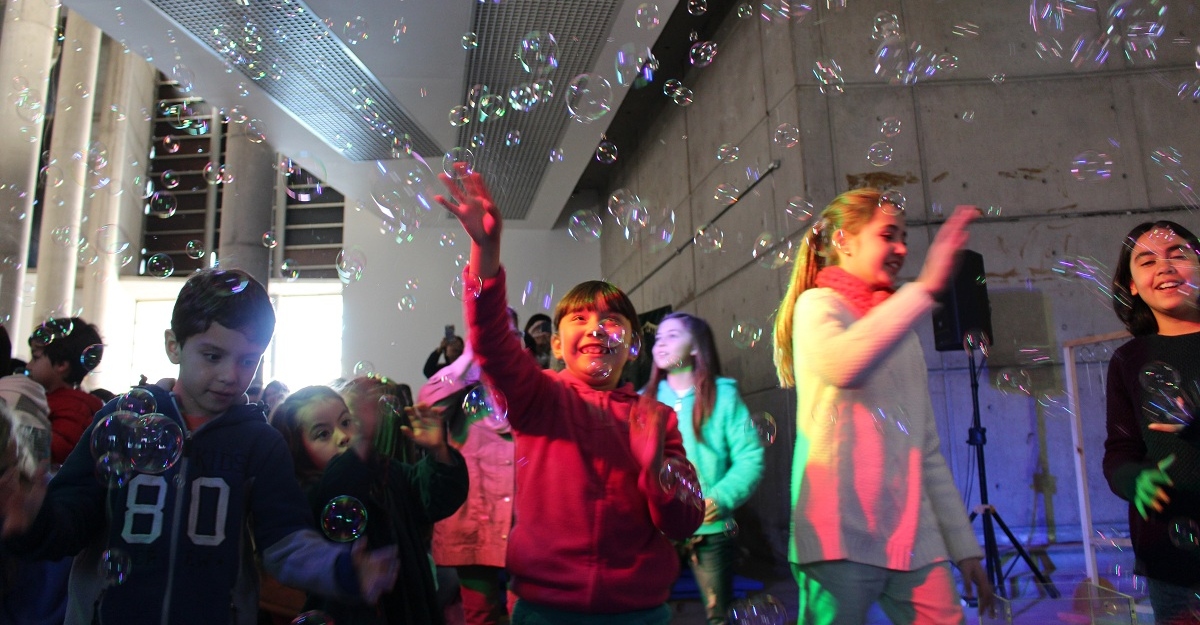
(581, 30)
(294, 57)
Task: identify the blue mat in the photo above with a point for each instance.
(685, 587)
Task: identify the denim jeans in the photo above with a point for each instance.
(1173, 605)
(711, 557)
(840, 592)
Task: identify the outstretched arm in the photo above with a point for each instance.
(473, 206)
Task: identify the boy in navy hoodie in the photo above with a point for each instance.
(190, 533)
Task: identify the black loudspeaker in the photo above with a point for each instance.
(963, 306)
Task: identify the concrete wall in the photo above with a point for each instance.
(1014, 153)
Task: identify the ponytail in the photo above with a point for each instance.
(849, 211)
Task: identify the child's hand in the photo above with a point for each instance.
(1148, 492)
(20, 498)
(949, 240)
(428, 430)
(377, 570)
(479, 217)
(712, 510)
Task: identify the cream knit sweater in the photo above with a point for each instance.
(869, 483)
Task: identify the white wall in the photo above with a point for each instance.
(398, 342)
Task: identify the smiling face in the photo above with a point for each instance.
(674, 346)
(594, 345)
(1166, 273)
(876, 253)
(215, 369)
(326, 429)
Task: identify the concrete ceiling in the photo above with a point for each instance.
(345, 86)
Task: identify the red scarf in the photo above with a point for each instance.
(861, 297)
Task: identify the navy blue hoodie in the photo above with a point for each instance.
(191, 531)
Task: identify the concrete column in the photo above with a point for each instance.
(58, 241)
(246, 204)
(26, 49)
(129, 82)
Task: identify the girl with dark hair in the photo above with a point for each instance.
(720, 441)
(1151, 457)
(333, 455)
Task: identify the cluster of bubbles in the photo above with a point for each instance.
(344, 519)
(134, 438)
(1085, 270)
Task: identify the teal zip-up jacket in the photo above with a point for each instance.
(730, 460)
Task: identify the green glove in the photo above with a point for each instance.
(1148, 491)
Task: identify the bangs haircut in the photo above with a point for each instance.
(285, 418)
(230, 297)
(1131, 309)
(597, 295)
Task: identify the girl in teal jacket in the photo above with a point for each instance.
(720, 440)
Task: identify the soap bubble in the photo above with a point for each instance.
(138, 401)
(458, 162)
(787, 135)
(156, 443)
(160, 266)
(585, 225)
(678, 478)
(682, 96)
(538, 52)
(111, 434)
(460, 289)
(892, 202)
(512, 139)
(799, 208)
(727, 153)
(745, 333)
(195, 249)
(115, 566)
(364, 368)
(289, 270)
(1184, 533)
(829, 76)
(606, 152)
(731, 528)
(460, 116)
(762, 424)
(1163, 401)
(879, 153)
(1092, 166)
(709, 239)
(313, 617)
(772, 252)
(470, 41)
(757, 610)
(406, 303)
(890, 127)
(162, 204)
(268, 240)
(113, 469)
(344, 519)
(702, 53)
(485, 402)
(646, 16)
(90, 357)
(588, 97)
(697, 7)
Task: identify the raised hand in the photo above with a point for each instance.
(428, 430)
(475, 210)
(1148, 490)
(943, 252)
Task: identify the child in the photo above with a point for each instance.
(189, 533)
(1150, 464)
(63, 352)
(876, 515)
(720, 441)
(402, 500)
(591, 543)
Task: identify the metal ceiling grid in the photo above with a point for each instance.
(301, 64)
(581, 29)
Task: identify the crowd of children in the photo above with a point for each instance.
(591, 525)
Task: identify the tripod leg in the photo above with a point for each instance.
(991, 555)
(1041, 578)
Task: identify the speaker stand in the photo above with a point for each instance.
(977, 438)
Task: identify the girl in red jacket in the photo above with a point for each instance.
(591, 541)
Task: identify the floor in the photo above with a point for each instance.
(1122, 600)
